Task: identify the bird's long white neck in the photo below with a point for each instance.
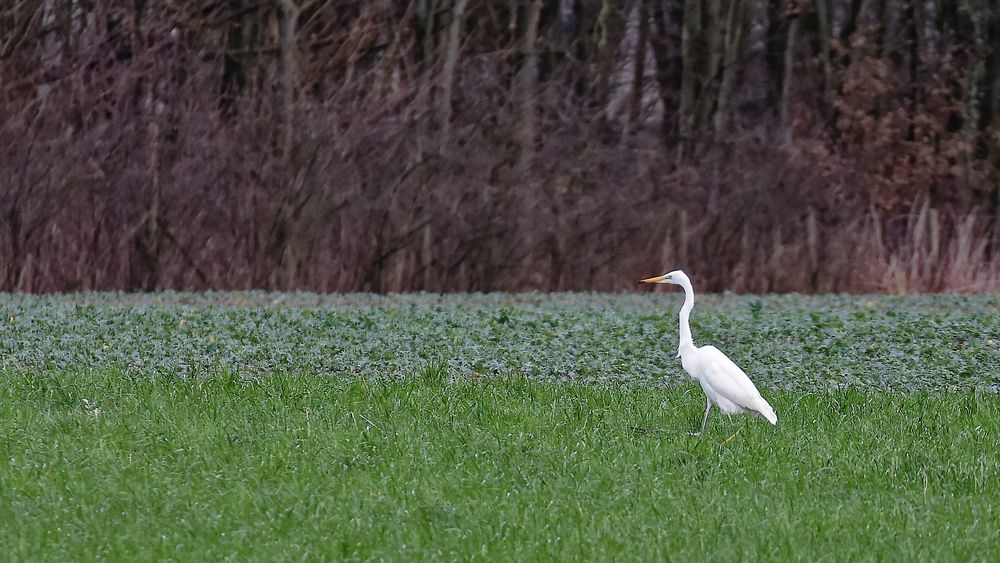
(685, 333)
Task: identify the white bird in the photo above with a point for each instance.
(724, 383)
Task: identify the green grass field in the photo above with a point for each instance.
(531, 427)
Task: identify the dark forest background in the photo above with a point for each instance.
(395, 145)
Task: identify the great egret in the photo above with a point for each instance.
(724, 383)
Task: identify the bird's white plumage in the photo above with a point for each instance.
(725, 384)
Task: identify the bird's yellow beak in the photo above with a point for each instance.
(657, 279)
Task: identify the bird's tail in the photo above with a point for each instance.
(767, 412)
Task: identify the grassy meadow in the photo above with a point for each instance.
(501, 427)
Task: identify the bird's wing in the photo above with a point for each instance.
(727, 379)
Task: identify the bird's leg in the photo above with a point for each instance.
(731, 425)
(704, 421)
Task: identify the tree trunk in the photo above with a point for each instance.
(422, 108)
(703, 46)
(988, 126)
(666, 43)
(693, 52)
(774, 49)
(851, 21)
(233, 73)
(989, 100)
(639, 62)
(787, 124)
(450, 61)
(824, 31)
(289, 74)
(528, 85)
(736, 24)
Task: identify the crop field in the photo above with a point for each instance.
(255, 426)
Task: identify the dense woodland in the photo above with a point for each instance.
(470, 145)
